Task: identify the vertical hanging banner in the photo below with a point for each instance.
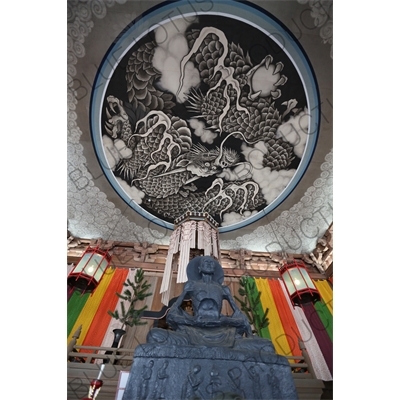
(108, 337)
(90, 308)
(324, 307)
(326, 293)
(320, 333)
(193, 231)
(289, 325)
(252, 292)
(101, 320)
(307, 335)
(278, 335)
(114, 324)
(74, 307)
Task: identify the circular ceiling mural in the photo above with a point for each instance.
(205, 106)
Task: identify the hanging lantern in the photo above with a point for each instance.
(87, 274)
(195, 233)
(298, 283)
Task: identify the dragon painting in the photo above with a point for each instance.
(202, 147)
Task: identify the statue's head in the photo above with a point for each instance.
(205, 265)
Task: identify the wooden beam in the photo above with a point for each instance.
(228, 271)
(329, 271)
(257, 264)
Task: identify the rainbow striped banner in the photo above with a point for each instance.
(284, 330)
(314, 326)
(90, 310)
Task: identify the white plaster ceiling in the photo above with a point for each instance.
(95, 209)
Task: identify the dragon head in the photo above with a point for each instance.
(204, 162)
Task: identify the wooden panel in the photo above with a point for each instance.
(156, 304)
(235, 286)
(177, 288)
(229, 282)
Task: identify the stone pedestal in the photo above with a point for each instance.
(200, 372)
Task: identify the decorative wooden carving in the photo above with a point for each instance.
(72, 242)
(152, 257)
(124, 254)
(322, 256)
(145, 249)
(241, 256)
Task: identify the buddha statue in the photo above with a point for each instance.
(206, 355)
(207, 326)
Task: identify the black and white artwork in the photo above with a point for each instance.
(204, 113)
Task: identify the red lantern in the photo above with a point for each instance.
(298, 283)
(87, 274)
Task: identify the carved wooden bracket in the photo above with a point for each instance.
(241, 256)
(322, 255)
(144, 249)
(236, 262)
